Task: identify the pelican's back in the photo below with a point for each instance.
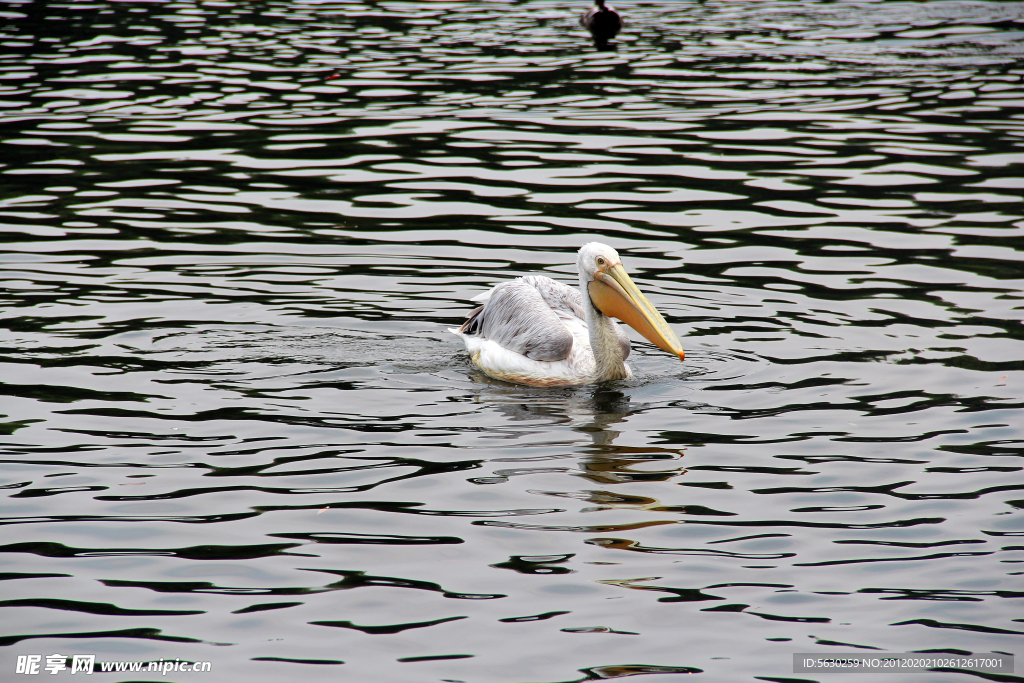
(526, 316)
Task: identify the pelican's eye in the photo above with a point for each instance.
(601, 261)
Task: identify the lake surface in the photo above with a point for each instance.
(234, 427)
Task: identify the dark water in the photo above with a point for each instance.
(234, 427)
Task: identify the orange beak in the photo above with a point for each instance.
(614, 294)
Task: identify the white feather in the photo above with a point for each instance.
(484, 297)
(494, 360)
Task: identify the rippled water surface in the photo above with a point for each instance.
(234, 427)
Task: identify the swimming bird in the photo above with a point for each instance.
(536, 331)
(602, 22)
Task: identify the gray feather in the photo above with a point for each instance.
(525, 316)
(562, 299)
(517, 317)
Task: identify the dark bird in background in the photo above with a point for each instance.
(602, 22)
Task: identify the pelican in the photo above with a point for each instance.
(602, 22)
(536, 331)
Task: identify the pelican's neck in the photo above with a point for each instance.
(604, 340)
(599, 3)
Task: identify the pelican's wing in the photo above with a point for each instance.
(564, 300)
(525, 316)
(561, 298)
(567, 302)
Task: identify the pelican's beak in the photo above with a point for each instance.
(614, 294)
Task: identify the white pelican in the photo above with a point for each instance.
(602, 22)
(534, 330)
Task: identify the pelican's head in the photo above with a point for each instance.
(614, 294)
